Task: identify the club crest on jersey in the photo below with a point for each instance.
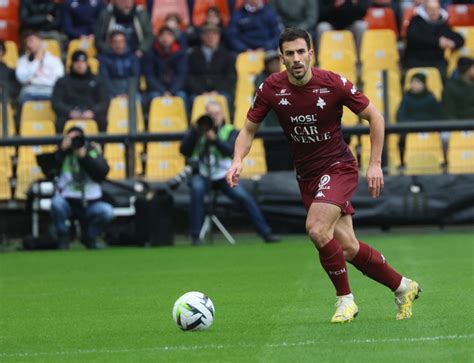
(321, 103)
(323, 183)
(284, 102)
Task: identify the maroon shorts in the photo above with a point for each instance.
(335, 185)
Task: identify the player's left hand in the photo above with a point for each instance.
(374, 178)
(233, 174)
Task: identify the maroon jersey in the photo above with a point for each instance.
(310, 116)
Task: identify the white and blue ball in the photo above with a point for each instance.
(193, 311)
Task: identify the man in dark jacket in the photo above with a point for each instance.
(80, 17)
(78, 192)
(7, 75)
(429, 36)
(118, 65)
(165, 66)
(458, 95)
(211, 67)
(40, 15)
(131, 19)
(80, 95)
(254, 27)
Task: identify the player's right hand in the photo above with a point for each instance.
(233, 174)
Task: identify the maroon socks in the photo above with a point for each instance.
(332, 260)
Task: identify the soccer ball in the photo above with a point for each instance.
(193, 311)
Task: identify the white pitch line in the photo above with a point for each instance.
(229, 346)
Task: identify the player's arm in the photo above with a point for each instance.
(242, 148)
(374, 173)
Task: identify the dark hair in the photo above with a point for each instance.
(30, 33)
(290, 34)
(166, 29)
(3, 49)
(116, 32)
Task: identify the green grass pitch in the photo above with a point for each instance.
(273, 304)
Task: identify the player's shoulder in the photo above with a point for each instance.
(275, 80)
(330, 77)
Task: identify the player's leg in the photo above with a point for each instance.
(373, 264)
(320, 224)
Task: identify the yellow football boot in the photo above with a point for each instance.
(405, 299)
(346, 310)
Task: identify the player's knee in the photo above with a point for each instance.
(319, 235)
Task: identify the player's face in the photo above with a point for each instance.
(296, 57)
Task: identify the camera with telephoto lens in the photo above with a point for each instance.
(77, 142)
(189, 170)
(204, 124)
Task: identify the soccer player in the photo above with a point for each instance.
(308, 102)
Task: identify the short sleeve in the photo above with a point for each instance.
(352, 97)
(260, 105)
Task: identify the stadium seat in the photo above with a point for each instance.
(200, 10)
(391, 147)
(433, 80)
(250, 63)
(28, 170)
(423, 153)
(164, 161)
(167, 114)
(11, 122)
(200, 102)
(241, 108)
(467, 49)
(53, 46)
(349, 118)
(9, 30)
(118, 117)
(37, 119)
(161, 8)
(373, 88)
(9, 9)
(408, 13)
(114, 153)
(87, 46)
(461, 14)
(337, 40)
(11, 54)
(381, 18)
(89, 126)
(339, 61)
(461, 152)
(379, 50)
(255, 164)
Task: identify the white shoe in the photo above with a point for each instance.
(405, 299)
(346, 309)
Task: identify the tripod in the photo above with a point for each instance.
(210, 218)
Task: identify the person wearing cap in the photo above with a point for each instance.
(211, 67)
(458, 95)
(80, 169)
(255, 26)
(80, 95)
(165, 66)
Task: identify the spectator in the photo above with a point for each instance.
(41, 16)
(174, 22)
(458, 95)
(78, 192)
(131, 19)
(429, 36)
(165, 66)
(118, 65)
(343, 15)
(253, 27)
(37, 70)
(7, 75)
(211, 67)
(80, 95)
(214, 18)
(301, 14)
(80, 17)
(209, 145)
(418, 103)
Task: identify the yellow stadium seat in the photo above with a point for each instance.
(167, 114)
(241, 109)
(164, 160)
(11, 54)
(37, 119)
(391, 147)
(116, 158)
(5, 190)
(118, 117)
(89, 126)
(423, 153)
(349, 118)
(336, 40)
(255, 164)
(461, 152)
(250, 62)
(433, 80)
(6, 161)
(87, 46)
(28, 170)
(467, 49)
(200, 102)
(53, 46)
(379, 50)
(11, 122)
(373, 88)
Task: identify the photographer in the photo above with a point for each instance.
(210, 145)
(78, 191)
